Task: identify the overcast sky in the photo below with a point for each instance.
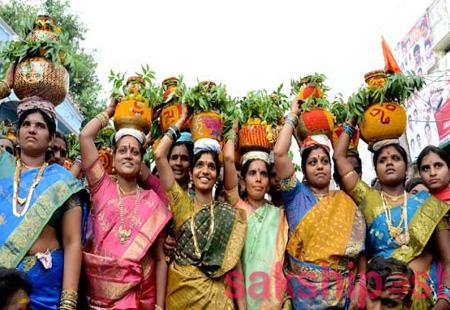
(247, 44)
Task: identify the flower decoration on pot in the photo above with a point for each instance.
(260, 115)
(315, 117)
(137, 98)
(171, 108)
(206, 100)
(41, 60)
(379, 106)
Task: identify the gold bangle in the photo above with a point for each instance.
(103, 118)
(348, 173)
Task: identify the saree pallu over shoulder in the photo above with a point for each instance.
(263, 256)
(331, 233)
(18, 234)
(212, 239)
(209, 244)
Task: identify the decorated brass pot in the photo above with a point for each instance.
(37, 76)
(44, 29)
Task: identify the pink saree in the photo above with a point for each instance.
(121, 275)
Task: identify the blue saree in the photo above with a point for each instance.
(19, 233)
(425, 215)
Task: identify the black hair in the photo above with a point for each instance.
(62, 137)
(215, 158)
(11, 281)
(413, 183)
(396, 146)
(51, 124)
(244, 168)
(189, 147)
(307, 151)
(433, 149)
(380, 268)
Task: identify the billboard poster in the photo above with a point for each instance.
(415, 51)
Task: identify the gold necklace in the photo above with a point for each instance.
(27, 200)
(124, 234)
(402, 239)
(393, 198)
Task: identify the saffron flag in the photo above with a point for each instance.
(390, 62)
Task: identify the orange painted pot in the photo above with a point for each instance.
(376, 78)
(338, 130)
(315, 122)
(382, 121)
(206, 125)
(105, 155)
(309, 90)
(169, 116)
(253, 137)
(37, 76)
(134, 114)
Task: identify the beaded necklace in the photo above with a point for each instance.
(17, 202)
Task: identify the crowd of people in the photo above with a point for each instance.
(198, 233)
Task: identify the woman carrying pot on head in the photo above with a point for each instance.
(326, 229)
(267, 230)
(180, 159)
(434, 168)
(210, 234)
(125, 266)
(40, 221)
(399, 226)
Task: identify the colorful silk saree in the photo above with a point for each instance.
(263, 255)
(209, 244)
(19, 233)
(425, 215)
(121, 274)
(326, 236)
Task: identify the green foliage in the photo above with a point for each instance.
(268, 108)
(316, 80)
(397, 88)
(84, 84)
(15, 51)
(206, 96)
(152, 92)
(339, 109)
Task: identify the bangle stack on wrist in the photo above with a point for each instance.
(291, 120)
(173, 133)
(349, 129)
(68, 300)
(103, 118)
(444, 294)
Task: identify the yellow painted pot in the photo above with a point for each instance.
(315, 122)
(382, 121)
(376, 78)
(206, 125)
(37, 76)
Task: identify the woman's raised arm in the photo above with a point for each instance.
(162, 163)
